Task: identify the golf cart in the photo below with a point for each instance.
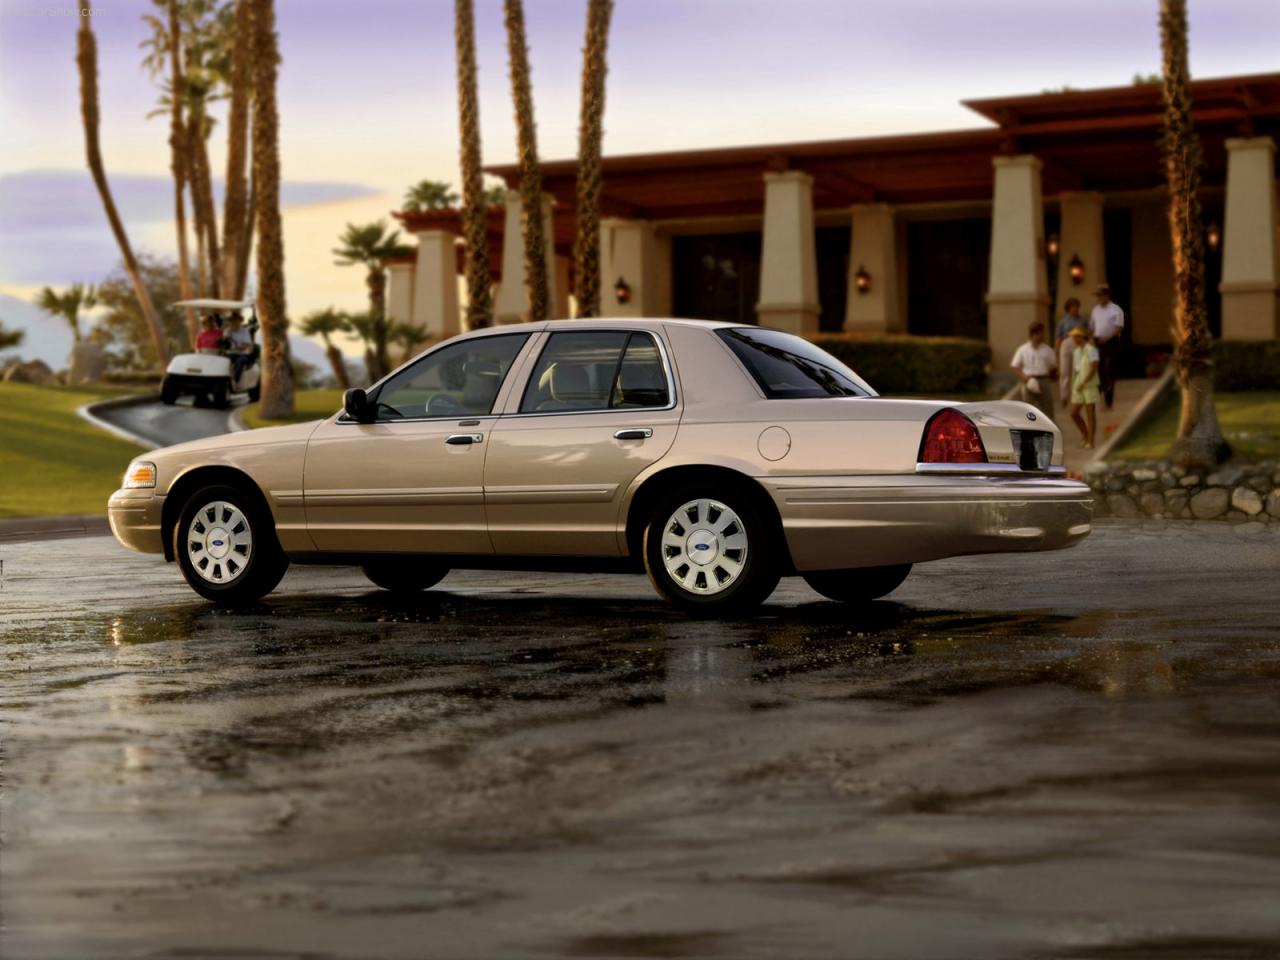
(209, 374)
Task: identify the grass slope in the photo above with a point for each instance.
(1250, 422)
(51, 461)
(307, 405)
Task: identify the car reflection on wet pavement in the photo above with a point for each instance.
(1067, 755)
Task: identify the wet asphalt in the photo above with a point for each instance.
(1059, 755)
(166, 425)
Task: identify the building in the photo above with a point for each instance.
(967, 232)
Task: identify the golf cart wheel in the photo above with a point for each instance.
(405, 575)
(858, 586)
(220, 395)
(226, 546)
(168, 392)
(255, 393)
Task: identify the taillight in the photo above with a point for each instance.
(951, 437)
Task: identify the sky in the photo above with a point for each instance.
(367, 97)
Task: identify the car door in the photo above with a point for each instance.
(598, 407)
(412, 480)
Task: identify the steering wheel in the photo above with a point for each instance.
(443, 405)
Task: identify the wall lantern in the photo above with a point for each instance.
(862, 280)
(1213, 235)
(622, 291)
(1051, 246)
(1076, 268)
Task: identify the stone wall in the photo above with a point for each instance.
(1234, 492)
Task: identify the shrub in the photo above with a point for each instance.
(1246, 365)
(903, 364)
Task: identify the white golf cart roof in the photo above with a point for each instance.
(206, 303)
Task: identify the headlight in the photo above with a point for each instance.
(141, 473)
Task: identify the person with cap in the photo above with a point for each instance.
(1036, 365)
(1105, 324)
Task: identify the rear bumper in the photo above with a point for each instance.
(135, 518)
(834, 523)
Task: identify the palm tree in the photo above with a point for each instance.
(1200, 442)
(177, 163)
(407, 337)
(236, 227)
(475, 205)
(535, 254)
(277, 375)
(429, 195)
(10, 338)
(365, 327)
(87, 64)
(68, 305)
(371, 246)
(495, 194)
(590, 138)
(324, 324)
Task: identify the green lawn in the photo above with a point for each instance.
(1250, 422)
(51, 461)
(307, 405)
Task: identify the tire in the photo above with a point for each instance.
(857, 586)
(255, 392)
(247, 565)
(220, 395)
(168, 392)
(740, 541)
(405, 575)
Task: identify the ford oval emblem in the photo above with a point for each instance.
(216, 543)
(702, 546)
(1030, 415)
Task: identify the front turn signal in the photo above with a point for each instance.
(140, 474)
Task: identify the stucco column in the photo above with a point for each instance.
(512, 302)
(1016, 293)
(788, 259)
(1080, 235)
(400, 291)
(873, 247)
(1250, 268)
(628, 251)
(435, 284)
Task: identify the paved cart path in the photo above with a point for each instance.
(1057, 755)
(166, 425)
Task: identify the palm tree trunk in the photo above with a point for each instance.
(199, 215)
(236, 201)
(277, 377)
(535, 254)
(178, 165)
(203, 185)
(242, 253)
(475, 214)
(1200, 442)
(590, 139)
(87, 64)
(377, 281)
(338, 363)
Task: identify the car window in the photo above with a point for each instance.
(459, 380)
(788, 367)
(597, 370)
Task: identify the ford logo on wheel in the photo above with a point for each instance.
(702, 546)
(1030, 415)
(216, 543)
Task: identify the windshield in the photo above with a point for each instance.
(787, 367)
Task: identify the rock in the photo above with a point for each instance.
(88, 363)
(1261, 484)
(1152, 504)
(1114, 485)
(1190, 480)
(1235, 516)
(1167, 480)
(1096, 468)
(33, 371)
(1178, 471)
(1253, 526)
(1175, 502)
(1247, 501)
(1143, 474)
(1186, 513)
(1273, 502)
(1224, 477)
(1208, 504)
(1122, 506)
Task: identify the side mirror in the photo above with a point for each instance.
(355, 403)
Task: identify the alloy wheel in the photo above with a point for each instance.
(219, 542)
(704, 546)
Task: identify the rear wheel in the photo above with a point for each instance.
(226, 546)
(405, 575)
(168, 392)
(857, 586)
(255, 392)
(220, 395)
(712, 552)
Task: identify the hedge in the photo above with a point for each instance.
(1246, 365)
(903, 364)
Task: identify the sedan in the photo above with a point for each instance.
(716, 457)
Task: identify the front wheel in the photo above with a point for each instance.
(168, 392)
(405, 575)
(712, 553)
(226, 546)
(220, 396)
(857, 586)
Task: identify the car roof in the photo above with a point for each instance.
(643, 323)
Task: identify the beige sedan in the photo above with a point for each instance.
(716, 457)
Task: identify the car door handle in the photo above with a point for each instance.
(456, 439)
(633, 433)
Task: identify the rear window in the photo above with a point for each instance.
(788, 367)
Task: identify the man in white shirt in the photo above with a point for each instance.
(1106, 323)
(1036, 364)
